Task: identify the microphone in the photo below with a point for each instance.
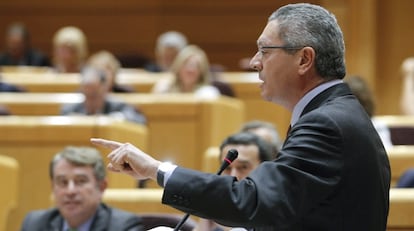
(230, 157)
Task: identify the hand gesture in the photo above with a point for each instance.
(128, 159)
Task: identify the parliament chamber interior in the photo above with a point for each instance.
(181, 128)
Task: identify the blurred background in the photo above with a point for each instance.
(378, 33)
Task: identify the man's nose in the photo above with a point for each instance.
(255, 63)
(71, 186)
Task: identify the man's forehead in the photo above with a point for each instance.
(269, 34)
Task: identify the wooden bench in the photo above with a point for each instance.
(401, 214)
(141, 82)
(141, 201)
(181, 126)
(137, 200)
(34, 140)
(245, 85)
(9, 177)
(401, 128)
(401, 158)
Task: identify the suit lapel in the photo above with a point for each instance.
(101, 220)
(56, 224)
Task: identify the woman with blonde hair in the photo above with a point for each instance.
(190, 74)
(70, 49)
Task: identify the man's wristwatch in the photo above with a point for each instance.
(162, 170)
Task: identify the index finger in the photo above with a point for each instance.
(106, 143)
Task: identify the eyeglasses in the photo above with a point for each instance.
(282, 47)
(262, 50)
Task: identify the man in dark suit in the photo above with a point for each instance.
(78, 183)
(332, 172)
(95, 86)
(18, 49)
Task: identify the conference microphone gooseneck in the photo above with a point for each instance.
(230, 157)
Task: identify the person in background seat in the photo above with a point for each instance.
(78, 180)
(95, 87)
(18, 50)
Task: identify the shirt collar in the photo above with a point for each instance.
(84, 227)
(298, 109)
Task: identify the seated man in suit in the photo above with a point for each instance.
(95, 87)
(18, 51)
(253, 150)
(78, 182)
(106, 61)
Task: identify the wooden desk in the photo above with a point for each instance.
(247, 88)
(34, 140)
(245, 85)
(43, 82)
(401, 158)
(138, 200)
(141, 82)
(181, 126)
(401, 214)
(396, 120)
(9, 177)
(401, 128)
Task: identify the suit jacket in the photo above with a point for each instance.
(332, 173)
(106, 219)
(111, 107)
(7, 87)
(31, 58)
(407, 179)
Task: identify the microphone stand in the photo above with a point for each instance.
(230, 157)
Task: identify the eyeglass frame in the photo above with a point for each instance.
(282, 47)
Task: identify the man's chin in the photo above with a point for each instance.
(70, 209)
(266, 97)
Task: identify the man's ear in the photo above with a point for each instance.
(307, 59)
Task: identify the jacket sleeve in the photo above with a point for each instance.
(277, 193)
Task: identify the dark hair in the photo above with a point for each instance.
(248, 138)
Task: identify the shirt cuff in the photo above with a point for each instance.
(164, 172)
